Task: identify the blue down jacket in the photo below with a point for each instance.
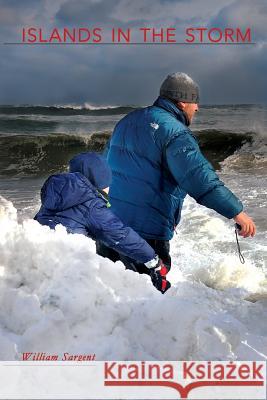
(155, 161)
(71, 200)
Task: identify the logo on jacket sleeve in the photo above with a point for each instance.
(154, 125)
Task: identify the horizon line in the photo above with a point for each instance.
(100, 107)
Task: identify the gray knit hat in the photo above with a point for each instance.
(180, 87)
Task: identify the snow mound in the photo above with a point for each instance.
(57, 295)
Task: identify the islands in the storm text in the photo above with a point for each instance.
(142, 35)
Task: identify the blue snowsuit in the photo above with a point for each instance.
(155, 161)
(72, 200)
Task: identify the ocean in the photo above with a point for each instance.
(41, 270)
(36, 141)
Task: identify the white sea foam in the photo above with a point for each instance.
(58, 296)
(250, 157)
(90, 106)
(86, 105)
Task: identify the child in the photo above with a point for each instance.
(77, 201)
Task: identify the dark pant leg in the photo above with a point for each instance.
(161, 247)
(107, 252)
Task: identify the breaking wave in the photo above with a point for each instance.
(42, 154)
(251, 157)
(71, 109)
(217, 145)
(24, 155)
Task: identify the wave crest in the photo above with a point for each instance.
(25, 155)
(67, 109)
(40, 155)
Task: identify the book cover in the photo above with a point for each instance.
(70, 71)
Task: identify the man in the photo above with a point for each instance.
(156, 161)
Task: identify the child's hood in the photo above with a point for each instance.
(94, 167)
(66, 190)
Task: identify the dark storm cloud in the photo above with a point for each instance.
(120, 13)
(14, 12)
(130, 75)
(244, 14)
(84, 11)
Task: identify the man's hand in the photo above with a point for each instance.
(248, 227)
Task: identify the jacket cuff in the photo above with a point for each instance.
(152, 263)
(235, 212)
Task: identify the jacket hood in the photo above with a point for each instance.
(66, 190)
(169, 106)
(94, 167)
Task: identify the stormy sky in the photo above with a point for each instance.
(123, 75)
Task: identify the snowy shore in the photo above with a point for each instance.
(58, 296)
